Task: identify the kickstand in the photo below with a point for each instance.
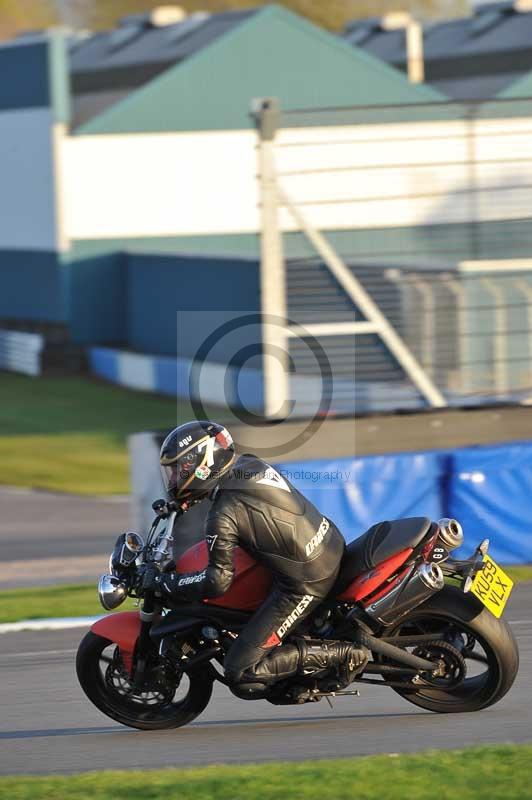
(329, 700)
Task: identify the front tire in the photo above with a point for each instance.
(463, 617)
(147, 710)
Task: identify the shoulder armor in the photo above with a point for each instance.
(255, 478)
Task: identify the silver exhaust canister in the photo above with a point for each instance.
(417, 586)
(451, 534)
(432, 576)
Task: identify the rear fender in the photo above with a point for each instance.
(123, 629)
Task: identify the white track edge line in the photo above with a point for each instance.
(53, 624)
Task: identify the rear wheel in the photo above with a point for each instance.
(167, 698)
(477, 652)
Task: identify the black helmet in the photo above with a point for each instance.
(193, 457)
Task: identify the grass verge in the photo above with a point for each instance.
(501, 771)
(519, 572)
(69, 434)
(51, 601)
(81, 600)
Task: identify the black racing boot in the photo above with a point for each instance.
(319, 658)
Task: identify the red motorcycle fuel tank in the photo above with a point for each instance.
(250, 586)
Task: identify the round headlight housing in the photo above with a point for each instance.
(111, 591)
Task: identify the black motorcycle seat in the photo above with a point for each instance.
(380, 542)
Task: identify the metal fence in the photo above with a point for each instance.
(397, 247)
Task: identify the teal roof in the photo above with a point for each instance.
(522, 87)
(271, 53)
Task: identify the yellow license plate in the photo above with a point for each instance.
(492, 586)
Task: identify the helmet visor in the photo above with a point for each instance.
(179, 474)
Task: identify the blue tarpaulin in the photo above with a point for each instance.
(487, 488)
(357, 492)
(490, 492)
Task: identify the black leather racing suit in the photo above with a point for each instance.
(258, 509)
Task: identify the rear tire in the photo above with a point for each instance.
(463, 612)
(127, 711)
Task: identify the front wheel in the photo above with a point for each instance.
(478, 651)
(167, 699)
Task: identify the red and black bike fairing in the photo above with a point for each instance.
(251, 586)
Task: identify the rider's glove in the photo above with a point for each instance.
(162, 583)
(151, 580)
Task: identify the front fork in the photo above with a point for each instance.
(144, 643)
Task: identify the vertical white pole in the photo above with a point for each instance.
(414, 51)
(272, 268)
(403, 20)
(462, 342)
(59, 135)
(428, 342)
(523, 286)
(500, 365)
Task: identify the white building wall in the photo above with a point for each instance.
(344, 177)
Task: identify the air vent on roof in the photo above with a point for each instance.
(359, 36)
(167, 15)
(488, 16)
(357, 31)
(120, 36)
(159, 17)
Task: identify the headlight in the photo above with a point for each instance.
(111, 591)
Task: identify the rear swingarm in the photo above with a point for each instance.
(394, 653)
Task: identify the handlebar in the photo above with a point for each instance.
(163, 508)
(150, 572)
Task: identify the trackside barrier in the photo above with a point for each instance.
(170, 375)
(357, 492)
(490, 491)
(21, 352)
(488, 488)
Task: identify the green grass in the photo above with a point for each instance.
(472, 774)
(519, 572)
(51, 601)
(69, 434)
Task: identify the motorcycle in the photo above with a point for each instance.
(431, 622)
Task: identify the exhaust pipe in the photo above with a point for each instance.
(451, 534)
(432, 576)
(418, 585)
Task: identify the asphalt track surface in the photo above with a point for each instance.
(47, 725)
(49, 538)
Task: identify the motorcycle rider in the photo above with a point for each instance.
(256, 508)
